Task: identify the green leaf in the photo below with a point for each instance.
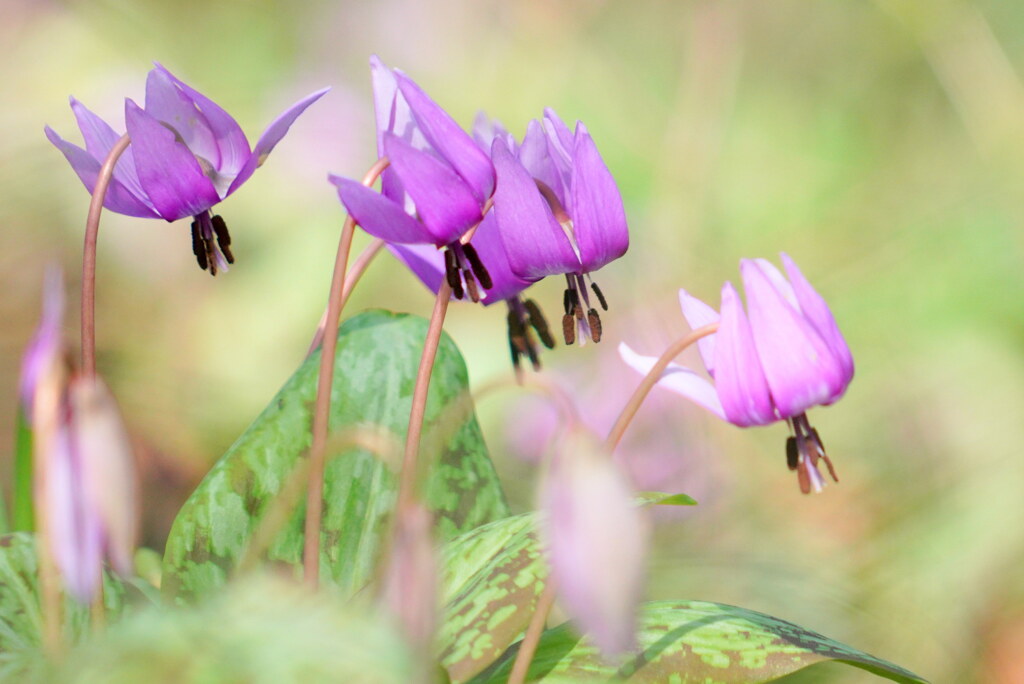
(375, 367)
(22, 513)
(257, 630)
(20, 615)
(663, 499)
(492, 578)
(685, 642)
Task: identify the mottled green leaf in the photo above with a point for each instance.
(20, 615)
(375, 367)
(663, 499)
(257, 630)
(492, 578)
(686, 642)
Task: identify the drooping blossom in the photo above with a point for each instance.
(186, 155)
(437, 186)
(84, 483)
(782, 357)
(596, 540)
(410, 585)
(559, 211)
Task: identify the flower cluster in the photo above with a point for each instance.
(504, 214)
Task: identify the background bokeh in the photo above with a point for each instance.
(881, 144)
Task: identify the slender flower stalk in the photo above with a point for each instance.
(534, 631)
(322, 408)
(359, 267)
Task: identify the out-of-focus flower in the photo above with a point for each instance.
(411, 580)
(436, 187)
(186, 155)
(596, 539)
(85, 493)
(783, 358)
(559, 211)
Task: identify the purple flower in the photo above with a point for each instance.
(84, 478)
(186, 155)
(774, 364)
(559, 211)
(596, 540)
(437, 185)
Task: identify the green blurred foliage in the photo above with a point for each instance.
(880, 144)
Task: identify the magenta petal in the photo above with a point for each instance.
(488, 245)
(100, 138)
(444, 202)
(599, 220)
(118, 198)
(166, 103)
(275, 131)
(169, 173)
(559, 135)
(536, 244)
(739, 379)
(378, 215)
(816, 310)
(74, 530)
(424, 260)
(231, 141)
(800, 368)
(698, 314)
(45, 347)
(677, 378)
(535, 156)
(458, 149)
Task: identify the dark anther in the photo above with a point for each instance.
(515, 354)
(569, 328)
(452, 275)
(220, 229)
(211, 256)
(474, 293)
(574, 300)
(482, 276)
(567, 301)
(594, 321)
(600, 296)
(531, 351)
(539, 323)
(792, 453)
(199, 246)
(516, 331)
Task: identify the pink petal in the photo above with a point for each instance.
(169, 105)
(676, 378)
(599, 220)
(378, 215)
(739, 379)
(100, 138)
(697, 315)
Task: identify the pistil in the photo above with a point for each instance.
(211, 243)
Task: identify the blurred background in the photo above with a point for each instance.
(881, 144)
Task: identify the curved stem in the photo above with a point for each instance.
(407, 483)
(92, 229)
(650, 380)
(359, 267)
(321, 411)
(528, 646)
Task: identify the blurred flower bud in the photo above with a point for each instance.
(410, 582)
(596, 540)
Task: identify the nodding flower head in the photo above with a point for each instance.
(437, 186)
(186, 155)
(559, 211)
(782, 357)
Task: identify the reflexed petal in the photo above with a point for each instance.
(275, 131)
(118, 198)
(561, 140)
(596, 540)
(169, 173)
(677, 378)
(458, 149)
(535, 156)
(425, 260)
(534, 241)
(486, 129)
(697, 315)
(739, 379)
(169, 105)
(444, 202)
(799, 366)
(100, 138)
(378, 215)
(394, 116)
(487, 243)
(816, 310)
(231, 141)
(107, 468)
(598, 218)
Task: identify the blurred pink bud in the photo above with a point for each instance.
(410, 582)
(596, 540)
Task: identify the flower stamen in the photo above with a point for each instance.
(803, 451)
